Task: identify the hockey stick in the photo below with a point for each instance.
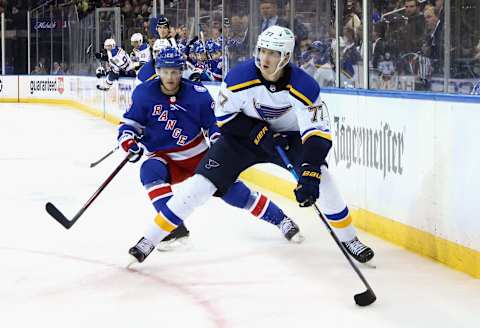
(57, 215)
(361, 299)
(104, 157)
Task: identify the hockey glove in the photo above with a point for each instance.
(102, 56)
(281, 140)
(262, 136)
(128, 143)
(307, 190)
(100, 72)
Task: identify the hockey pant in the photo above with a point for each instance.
(158, 176)
(228, 157)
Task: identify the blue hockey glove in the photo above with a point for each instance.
(307, 190)
(128, 143)
(262, 136)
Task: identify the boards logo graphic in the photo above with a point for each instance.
(48, 85)
(380, 148)
(1, 85)
(61, 85)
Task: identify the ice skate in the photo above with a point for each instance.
(290, 230)
(177, 238)
(358, 250)
(140, 251)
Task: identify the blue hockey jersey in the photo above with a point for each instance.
(147, 72)
(172, 125)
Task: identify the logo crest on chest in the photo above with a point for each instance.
(269, 112)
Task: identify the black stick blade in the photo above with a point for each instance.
(366, 298)
(57, 215)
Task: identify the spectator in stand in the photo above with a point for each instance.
(433, 42)
(299, 30)
(414, 29)
(439, 8)
(216, 34)
(182, 33)
(57, 69)
(349, 58)
(378, 45)
(237, 41)
(269, 14)
(352, 20)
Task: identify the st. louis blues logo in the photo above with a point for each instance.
(211, 164)
(269, 112)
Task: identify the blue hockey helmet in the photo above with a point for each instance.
(163, 21)
(322, 52)
(199, 48)
(213, 47)
(182, 48)
(170, 57)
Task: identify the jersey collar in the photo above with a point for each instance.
(279, 85)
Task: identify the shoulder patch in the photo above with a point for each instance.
(199, 88)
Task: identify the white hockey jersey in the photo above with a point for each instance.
(119, 60)
(291, 104)
(143, 53)
(170, 42)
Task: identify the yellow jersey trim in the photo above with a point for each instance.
(318, 133)
(244, 85)
(299, 95)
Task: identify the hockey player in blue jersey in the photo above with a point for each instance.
(263, 102)
(168, 118)
(215, 64)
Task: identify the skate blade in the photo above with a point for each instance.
(173, 244)
(370, 264)
(132, 262)
(298, 238)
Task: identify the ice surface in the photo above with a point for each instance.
(235, 272)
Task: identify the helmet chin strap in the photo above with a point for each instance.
(283, 62)
(280, 66)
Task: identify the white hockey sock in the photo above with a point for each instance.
(193, 192)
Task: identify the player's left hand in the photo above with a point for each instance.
(308, 187)
(262, 136)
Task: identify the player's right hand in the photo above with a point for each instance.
(130, 145)
(281, 140)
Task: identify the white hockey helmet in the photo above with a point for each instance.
(158, 45)
(136, 39)
(109, 44)
(279, 39)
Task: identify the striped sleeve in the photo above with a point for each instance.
(312, 115)
(227, 105)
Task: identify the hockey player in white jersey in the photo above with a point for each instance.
(119, 63)
(263, 102)
(163, 29)
(147, 72)
(168, 117)
(141, 53)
